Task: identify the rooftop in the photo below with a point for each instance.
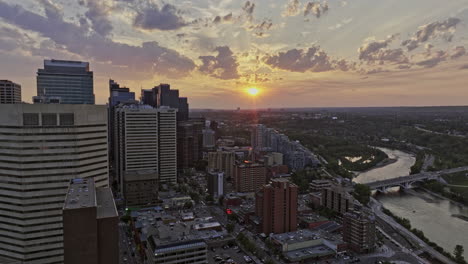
(66, 63)
(309, 252)
(81, 193)
(105, 203)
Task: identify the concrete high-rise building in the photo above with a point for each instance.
(216, 183)
(249, 177)
(209, 138)
(222, 161)
(337, 199)
(273, 159)
(259, 137)
(276, 206)
(70, 81)
(145, 144)
(43, 147)
(189, 142)
(359, 230)
(90, 224)
(117, 95)
(167, 144)
(10, 92)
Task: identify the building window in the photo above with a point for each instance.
(30, 119)
(67, 119)
(49, 119)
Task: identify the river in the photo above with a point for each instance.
(426, 212)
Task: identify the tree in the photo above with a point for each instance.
(362, 193)
(188, 205)
(230, 227)
(209, 198)
(458, 253)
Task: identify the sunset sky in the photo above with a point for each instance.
(297, 53)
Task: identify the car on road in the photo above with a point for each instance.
(248, 259)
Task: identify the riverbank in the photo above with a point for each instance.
(429, 213)
(381, 164)
(420, 234)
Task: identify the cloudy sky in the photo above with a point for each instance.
(298, 53)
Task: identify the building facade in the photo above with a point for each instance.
(337, 199)
(70, 81)
(276, 206)
(90, 224)
(189, 142)
(249, 177)
(216, 183)
(163, 95)
(222, 161)
(209, 140)
(145, 142)
(43, 147)
(10, 92)
(359, 231)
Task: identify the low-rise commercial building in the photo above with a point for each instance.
(306, 245)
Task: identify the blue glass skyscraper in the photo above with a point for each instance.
(71, 82)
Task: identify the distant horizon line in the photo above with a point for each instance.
(325, 107)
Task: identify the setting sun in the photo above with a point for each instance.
(253, 91)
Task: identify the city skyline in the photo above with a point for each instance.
(297, 53)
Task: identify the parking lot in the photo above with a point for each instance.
(233, 253)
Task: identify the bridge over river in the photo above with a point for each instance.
(407, 181)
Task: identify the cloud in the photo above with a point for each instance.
(260, 29)
(298, 60)
(377, 52)
(225, 19)
(464, 67)
(150, 57)
(222, 66)
(458, 52)
(315, 8)
(292, 8)
(249, 8)
(443, 29)
(432, 59)
(166, 18)
(98, 14)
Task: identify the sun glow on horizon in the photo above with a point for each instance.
(253, 91)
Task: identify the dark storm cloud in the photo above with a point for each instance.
(222, 66)
(149, 57)
(152, 17)
(432, 30)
